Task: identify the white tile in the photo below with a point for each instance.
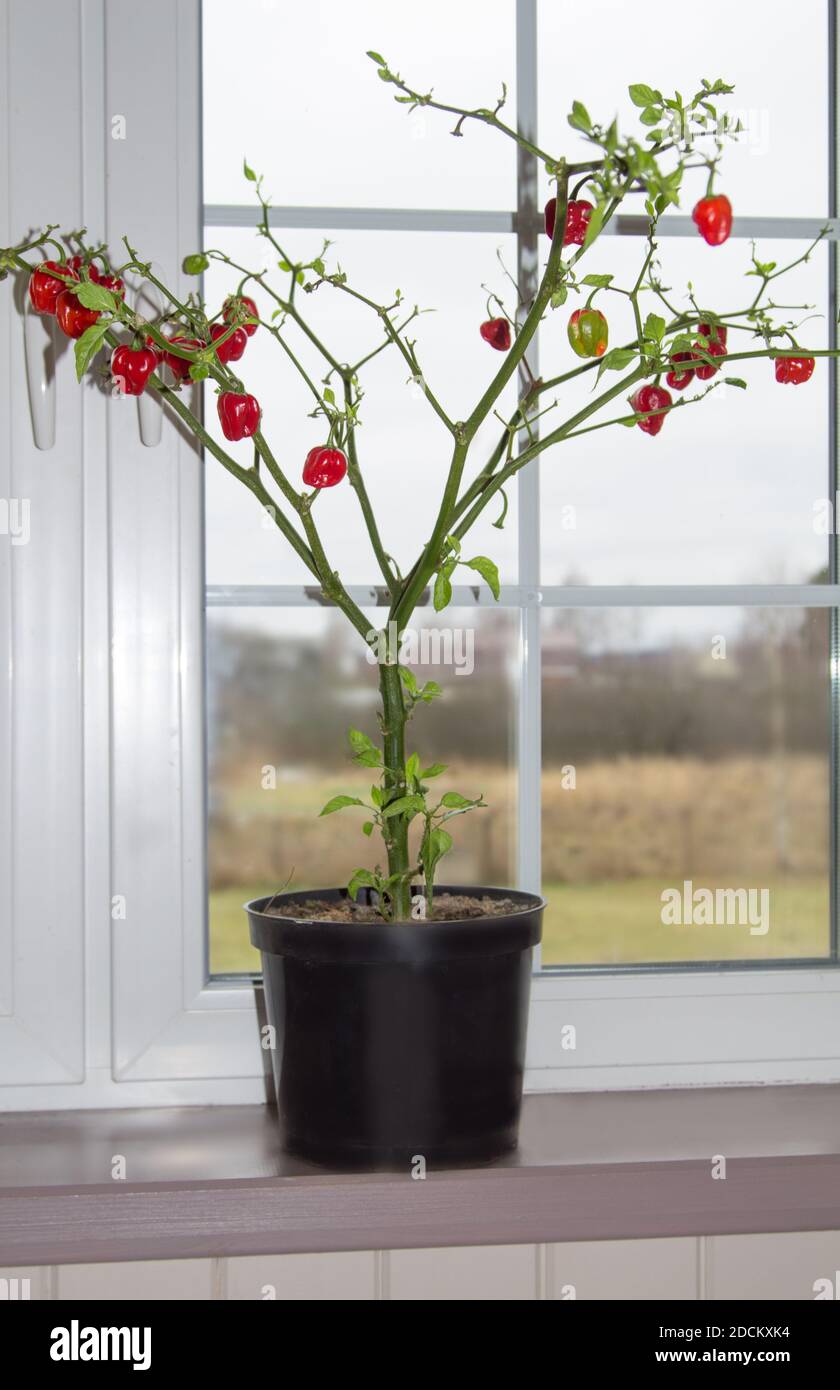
(347, 1276)
(161, 1280)
(500, 1272)
(25, 1282)
(786, 1265)
(622, 1269)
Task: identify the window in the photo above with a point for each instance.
(624, 569)
(662, 651)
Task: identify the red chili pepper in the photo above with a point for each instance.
(131, 368)
(496, 332)
(237, 306)
(106, 280)
(713, 330)
(45, 288)
(679, 379)
(181, 365)
(713, 219)
(325, 467)
(649, 398)
(239, 415)
(110, 282)
(577, 219)
(233, 347)
(706, 370)
(792, 371)
(73, 318)
(588, 332)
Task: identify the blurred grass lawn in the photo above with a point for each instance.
(610, 923)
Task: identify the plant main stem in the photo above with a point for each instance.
(396, 828)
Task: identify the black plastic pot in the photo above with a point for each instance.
(393, 1041)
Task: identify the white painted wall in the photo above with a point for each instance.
(788, 1267)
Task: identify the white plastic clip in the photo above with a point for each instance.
(149, 304)
(39, 345)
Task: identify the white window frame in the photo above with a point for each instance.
(96, 1011)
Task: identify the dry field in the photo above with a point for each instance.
(627, 830)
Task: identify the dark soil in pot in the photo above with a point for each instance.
(395, 1041)
(446, 907)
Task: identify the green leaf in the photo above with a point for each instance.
(579, 118)
(735, 381)
(94, 296)
(195, 264)
(329, 395)
(409, 679)
(443, 591)
(412, 767)
(430, 691)
(367, 828)
(441, 840)
(489, 572)
(338, 803)
(650, 116)
(642, 95)
(402, 806)
(616, 360)
(362, 878)
(559, 297)
(248, 172)
(456, 801)
(371, 759)
(365, 753)
(654, 327)
(595, 223)
(87, 346)
(376, 58)
(434, 770)
(599, 281)
(436, 843)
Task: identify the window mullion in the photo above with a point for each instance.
(528, 735)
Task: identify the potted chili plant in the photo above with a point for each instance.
(399, 1007)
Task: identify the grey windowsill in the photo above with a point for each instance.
(607, 1165)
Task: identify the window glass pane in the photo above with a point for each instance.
(734, 488)
(685, 752)
(748, 44)
(284, 685)
(290, 87)
(402, 443)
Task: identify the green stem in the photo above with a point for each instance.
(432, 553)
(499, 479)
(247, 476)
(532, 319)
(395, 828)
(357, 483)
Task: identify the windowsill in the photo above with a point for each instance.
(607, 1165)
